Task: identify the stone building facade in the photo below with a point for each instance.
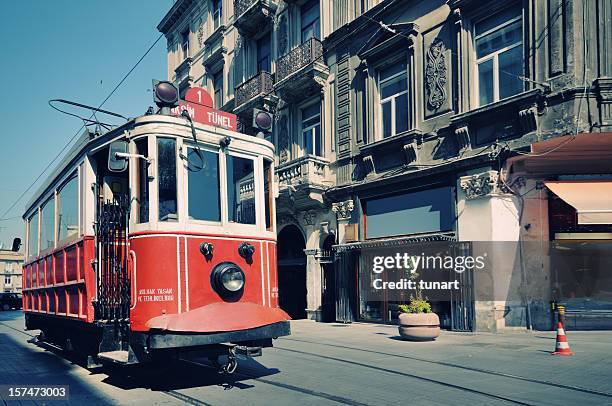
(11, 264)
(400, 122)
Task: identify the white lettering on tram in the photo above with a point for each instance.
(218, 119)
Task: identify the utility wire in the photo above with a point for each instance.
(2, 218)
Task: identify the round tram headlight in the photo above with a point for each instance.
(227, 279)
(232, 279)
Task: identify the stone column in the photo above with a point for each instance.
(343, 212)
(313, 267)
(488, 212)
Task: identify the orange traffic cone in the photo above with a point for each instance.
(562, 347)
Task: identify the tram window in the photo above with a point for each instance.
(240, 190)
(142, 190)
(166, 174)
(203, 185)
(268, 192)
(67, 218)
(47, 225)
(33, 236)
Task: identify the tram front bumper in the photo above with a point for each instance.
(216, 323)
(261, 336)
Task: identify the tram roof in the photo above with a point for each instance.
(88, 141)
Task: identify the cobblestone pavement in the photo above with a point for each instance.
(357, 364)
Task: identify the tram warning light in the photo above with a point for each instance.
(165, 95)
(262, 120)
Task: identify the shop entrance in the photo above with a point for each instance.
(292, 272)
(328, 277)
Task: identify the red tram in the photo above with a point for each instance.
(156, 239)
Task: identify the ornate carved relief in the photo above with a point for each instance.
(463, 137)
(368, 164)
(528, 119)
(283, 139)
(201, 34)
(482, 184)
(286, 218)
(283, 40)
(343, 210)
(410, 152)
(435, 75)
(309, 217)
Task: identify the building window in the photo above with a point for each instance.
(217, 13)
(204, 201)
(166, 173)
(185, 43)
(393, 91)
(310, 22)
(68, 215)
(218, 89)
(8, 280)
(499, 55)
(33, 236)
(47, 225)
(264, 60)
(311, 129)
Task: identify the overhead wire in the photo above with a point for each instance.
(78, 132)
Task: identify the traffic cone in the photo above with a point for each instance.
(562, 347)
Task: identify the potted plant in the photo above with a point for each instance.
(416, 320)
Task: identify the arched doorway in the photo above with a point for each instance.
(292, 272)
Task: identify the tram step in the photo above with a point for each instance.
(114, 356)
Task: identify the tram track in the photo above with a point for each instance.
(175, 394)
(462, 367)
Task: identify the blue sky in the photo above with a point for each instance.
(69, 49)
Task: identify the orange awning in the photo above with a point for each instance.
(591, 199)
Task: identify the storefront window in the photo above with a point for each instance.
(68, 216)
(240, 190)
(203, 185)
(410, 213)
(166, 155)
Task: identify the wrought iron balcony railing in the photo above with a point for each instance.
(259, 85)
(241, 6)
(307, 53)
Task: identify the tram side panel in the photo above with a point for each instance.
(61, 283)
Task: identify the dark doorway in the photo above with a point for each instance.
(328, 285)
(292, 272)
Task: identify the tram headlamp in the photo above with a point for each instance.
(227, 279)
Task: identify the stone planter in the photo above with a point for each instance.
(419, 326)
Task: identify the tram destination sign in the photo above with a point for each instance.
(199, 106)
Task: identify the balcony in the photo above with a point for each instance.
(252, 15)
(255, 93)
(303, 181)
(301, 72)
